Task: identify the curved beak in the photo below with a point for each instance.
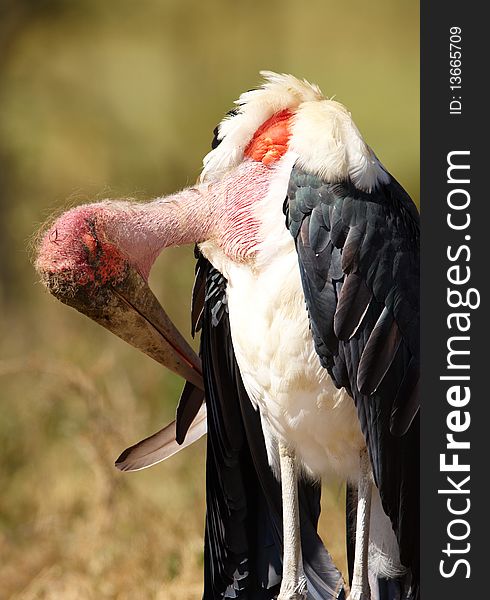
(131, 311)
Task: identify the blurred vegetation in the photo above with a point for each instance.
(117, 99)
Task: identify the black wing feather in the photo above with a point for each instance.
(353, 302)
(358, 255)
(198, 295)
(192, 397)
(190, 402)
(378, 354)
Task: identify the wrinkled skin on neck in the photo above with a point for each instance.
(92, 244)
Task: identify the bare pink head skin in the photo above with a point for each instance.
(92, 245)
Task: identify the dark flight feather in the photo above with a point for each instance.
(198, 295)
(378, 354)
(354, 299)
(190, 402)
(405, 406)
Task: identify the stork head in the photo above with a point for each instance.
(97, 257)
(74, 256)
(85, 263)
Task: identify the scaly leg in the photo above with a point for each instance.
(293, 585)
(360, 583)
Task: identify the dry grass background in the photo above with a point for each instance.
(112, 99)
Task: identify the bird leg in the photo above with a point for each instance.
(360, 582)
(293, 585)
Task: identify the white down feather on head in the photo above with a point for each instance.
(323, 134)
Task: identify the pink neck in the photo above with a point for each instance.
(220, 211)
(143, 230)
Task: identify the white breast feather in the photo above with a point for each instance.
(282, 373)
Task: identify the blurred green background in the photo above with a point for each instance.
(118, 98)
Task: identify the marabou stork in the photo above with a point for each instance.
(306, 295)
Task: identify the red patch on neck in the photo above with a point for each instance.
(270, 141)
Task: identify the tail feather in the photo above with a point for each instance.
(161, 445)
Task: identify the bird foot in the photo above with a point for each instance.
(296, 591)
